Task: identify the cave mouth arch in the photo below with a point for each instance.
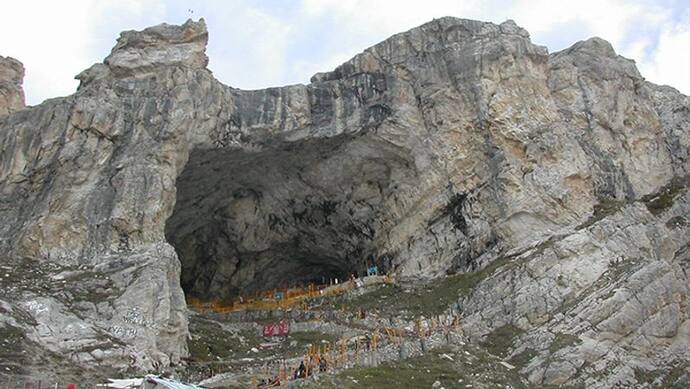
(306, 211)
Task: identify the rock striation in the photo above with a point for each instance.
(11, 92)
(456, 146)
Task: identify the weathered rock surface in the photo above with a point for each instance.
(444, 148)
(600, 306)
(11, 92)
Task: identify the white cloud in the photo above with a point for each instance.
(55, 40)
(42, 36)
(248, 47)
(391, 16)
(607, 19)
(307, 68)
(362, 23)
(254, 45)
(670, 64)
(547, 21)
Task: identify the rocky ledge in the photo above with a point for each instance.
(457, 146)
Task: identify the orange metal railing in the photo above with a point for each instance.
(292, 297)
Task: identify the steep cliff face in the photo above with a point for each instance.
(11, 92)
(441, 149)
(604, 303)
(87, 182)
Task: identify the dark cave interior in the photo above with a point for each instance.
(286, 215)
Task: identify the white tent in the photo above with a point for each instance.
(153, 382)
(148, 382)
(132, 383)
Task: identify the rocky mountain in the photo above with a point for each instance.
(457, 146)
(11, 92)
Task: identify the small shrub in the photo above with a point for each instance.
(662, 200)
(562, 341)
(500, 340)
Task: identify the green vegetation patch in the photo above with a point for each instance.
(619, 270)
(500, 340)
(656, 202)
(429, 300)
(305, 338)
(562, 341)
(419, 372)
(12, 353)
(523, 358)
(543, 246)
(677, 222)
(452, 369)
(676, 376)
(605, 208)
(22, 360)
(647, 376)
(662, 200)
(21, 275)
(211, 343)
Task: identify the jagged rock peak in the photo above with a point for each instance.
(469, 26)
(154, 48)
(161, 45)
(11, 70)
(594, 46)
(438, 34)
(11, 92)
(596, 53)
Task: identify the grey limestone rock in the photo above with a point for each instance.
(11, 92)
(441, 149)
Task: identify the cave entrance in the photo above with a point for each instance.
(302, 212)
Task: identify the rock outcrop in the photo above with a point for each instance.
(451, 147)
(11, 92)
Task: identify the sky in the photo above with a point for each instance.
(258, 44)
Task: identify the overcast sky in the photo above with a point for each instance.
(257, 44)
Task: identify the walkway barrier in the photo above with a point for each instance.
(345, 353)
(284, 298)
